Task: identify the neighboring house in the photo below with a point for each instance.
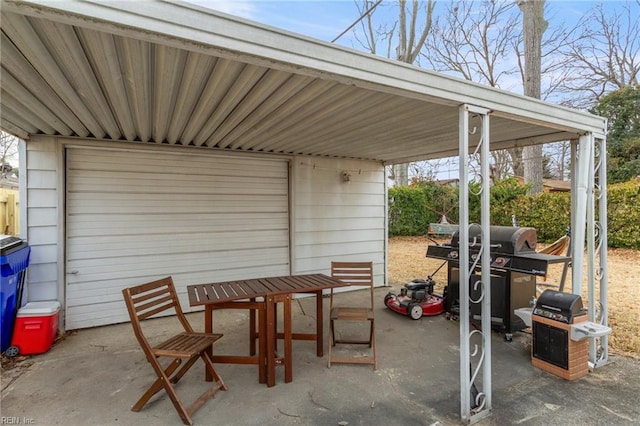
(166, 139)
(551, 185)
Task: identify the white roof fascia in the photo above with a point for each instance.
(194, 28)
(507, 144)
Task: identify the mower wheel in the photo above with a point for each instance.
(415, 311)
(387, 297)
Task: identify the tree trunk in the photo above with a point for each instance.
(516, 161)
(533, 26)
(401, 174)
(407, 52)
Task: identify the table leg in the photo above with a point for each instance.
(252, 330)
(262, 344)
(271, 340)
(319, 324)
(288, 346)
(260, 334)
(208, 328)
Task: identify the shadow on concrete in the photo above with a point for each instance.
(93, 376)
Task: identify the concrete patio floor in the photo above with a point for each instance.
(93, 376)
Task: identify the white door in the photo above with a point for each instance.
(134, 216)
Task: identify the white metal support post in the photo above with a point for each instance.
(591, 234)
(598, 285)
(574, 187)
(579, 194)
(475, 346)
(588, 196)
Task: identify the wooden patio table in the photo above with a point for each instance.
(262, 295)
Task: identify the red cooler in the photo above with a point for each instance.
(36, 327)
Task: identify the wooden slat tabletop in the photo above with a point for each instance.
(211, 293)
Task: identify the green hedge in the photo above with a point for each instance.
(408, 211)
(623, 211)
(548, 212)
(412, 208)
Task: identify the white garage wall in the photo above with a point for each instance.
(42, 209)
(330, 219)
(337, 220)
(133, 216)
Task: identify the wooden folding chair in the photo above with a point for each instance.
(147, 300)
(355, 274)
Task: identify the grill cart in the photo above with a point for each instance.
(560, 334)
(515, 264)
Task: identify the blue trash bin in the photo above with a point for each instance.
(14, 260)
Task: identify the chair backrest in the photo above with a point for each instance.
(355, 274)
(151, 299)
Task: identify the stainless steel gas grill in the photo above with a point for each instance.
(515, 264)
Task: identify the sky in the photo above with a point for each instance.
(326, 19)
(323, 20)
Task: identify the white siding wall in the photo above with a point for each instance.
(330, 219)
(42, 211)
(336, 220)
(134, 216)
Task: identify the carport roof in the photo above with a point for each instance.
(178, 74)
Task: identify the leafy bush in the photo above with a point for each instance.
(408, 213)
(624, 160)
(548, 212)
(623, 211)
(412, 208)
(623, 132)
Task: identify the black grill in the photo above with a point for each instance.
(504, 239)
(557, 306)
(551, 342)
(511, 249)
(514, 267)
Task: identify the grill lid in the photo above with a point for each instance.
(503, 239)
(559, 306)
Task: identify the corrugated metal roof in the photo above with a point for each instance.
(174, 73)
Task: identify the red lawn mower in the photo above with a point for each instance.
(417, 299)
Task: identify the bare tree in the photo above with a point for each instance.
(8, 152)
(408, 45)
(558, 156)
(475, 40)
(427, 170)
(556, 41)
(599, 55)
(533, 27)
(373, 34)
(408, 33)
(604, 56)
